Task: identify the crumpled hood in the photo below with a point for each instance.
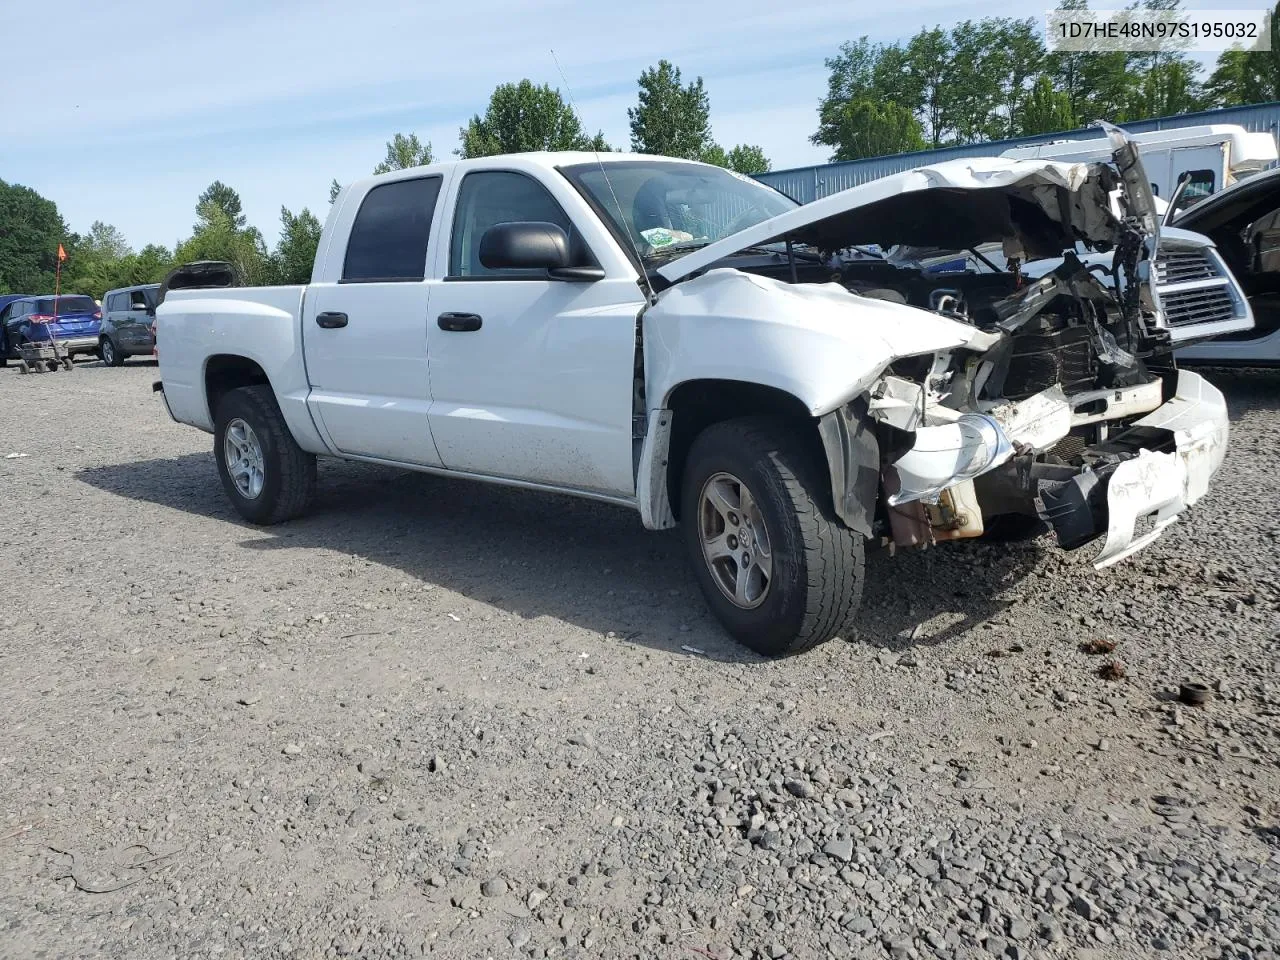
(818, 342)
(1040, 207)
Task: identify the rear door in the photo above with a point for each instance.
(115, 318)
(364, 327)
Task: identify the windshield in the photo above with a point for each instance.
(666, 208)
(67, 306)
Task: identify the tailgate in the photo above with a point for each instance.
(72, 327)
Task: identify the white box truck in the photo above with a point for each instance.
(1214, 155)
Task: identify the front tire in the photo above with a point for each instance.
(778, 569)
(267, 476)
(111, 354)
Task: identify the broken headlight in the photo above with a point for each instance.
(947, 454)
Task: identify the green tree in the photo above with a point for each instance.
(856, 74)
(931, 56)
(1097, 85)
(218, 237)
(1045, 110)
(219, 195)
(30, 230)
(104, 241)
(671, 119)
(402, 153)
(1247, 76)
(715, 155)
(523, 117)
(1017, 62)
(94, 260)
(748, 158)
(864, 128)
(1166, 81)
(295, 252)
(96, 276)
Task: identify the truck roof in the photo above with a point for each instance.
(546, 159)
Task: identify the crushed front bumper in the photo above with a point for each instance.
(1145, 477)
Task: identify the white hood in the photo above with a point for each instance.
(952, 205)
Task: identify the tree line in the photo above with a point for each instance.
(976, 81)
(994, 78)
(671, 118)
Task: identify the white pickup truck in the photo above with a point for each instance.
(672, 337)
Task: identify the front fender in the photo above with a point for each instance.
(818, 342)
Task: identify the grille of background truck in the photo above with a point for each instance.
(1193, 289)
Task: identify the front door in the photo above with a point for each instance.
(531, 378)
(365, 335)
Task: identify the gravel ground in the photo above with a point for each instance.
(449, 719)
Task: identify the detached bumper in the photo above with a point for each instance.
(1144, 478)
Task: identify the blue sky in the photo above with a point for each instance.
(277, 97)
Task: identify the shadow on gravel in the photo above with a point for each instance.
(543, 555)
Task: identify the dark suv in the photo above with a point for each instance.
(128, 315)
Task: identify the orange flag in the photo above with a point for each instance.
(62, 254)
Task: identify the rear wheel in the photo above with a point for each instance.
(267, 476)
(778, 569)
(110, 353)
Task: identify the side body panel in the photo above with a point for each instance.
(258, 323)
(818, 342)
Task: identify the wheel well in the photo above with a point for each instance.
(225, 372)
(697, 404)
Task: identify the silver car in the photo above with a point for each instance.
(128, 318)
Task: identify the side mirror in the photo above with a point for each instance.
(528, 245)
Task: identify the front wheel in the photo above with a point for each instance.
(268, 477)
(778, 569)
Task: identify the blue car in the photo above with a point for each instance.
(75, 324)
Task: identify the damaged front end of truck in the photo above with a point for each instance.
(1064, 411)
(1037, 393)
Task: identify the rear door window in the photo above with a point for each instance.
(388, 241)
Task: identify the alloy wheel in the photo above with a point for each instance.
(242, 454)
(735, 541)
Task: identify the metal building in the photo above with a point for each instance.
(806, 184)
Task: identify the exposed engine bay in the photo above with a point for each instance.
(1044, 419)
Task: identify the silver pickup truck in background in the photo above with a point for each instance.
(691, 344)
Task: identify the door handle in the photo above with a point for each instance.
(459, 322)
(331, 321)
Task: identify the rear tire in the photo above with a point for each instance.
(814, 563)
(110, 353)
(281, 483)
